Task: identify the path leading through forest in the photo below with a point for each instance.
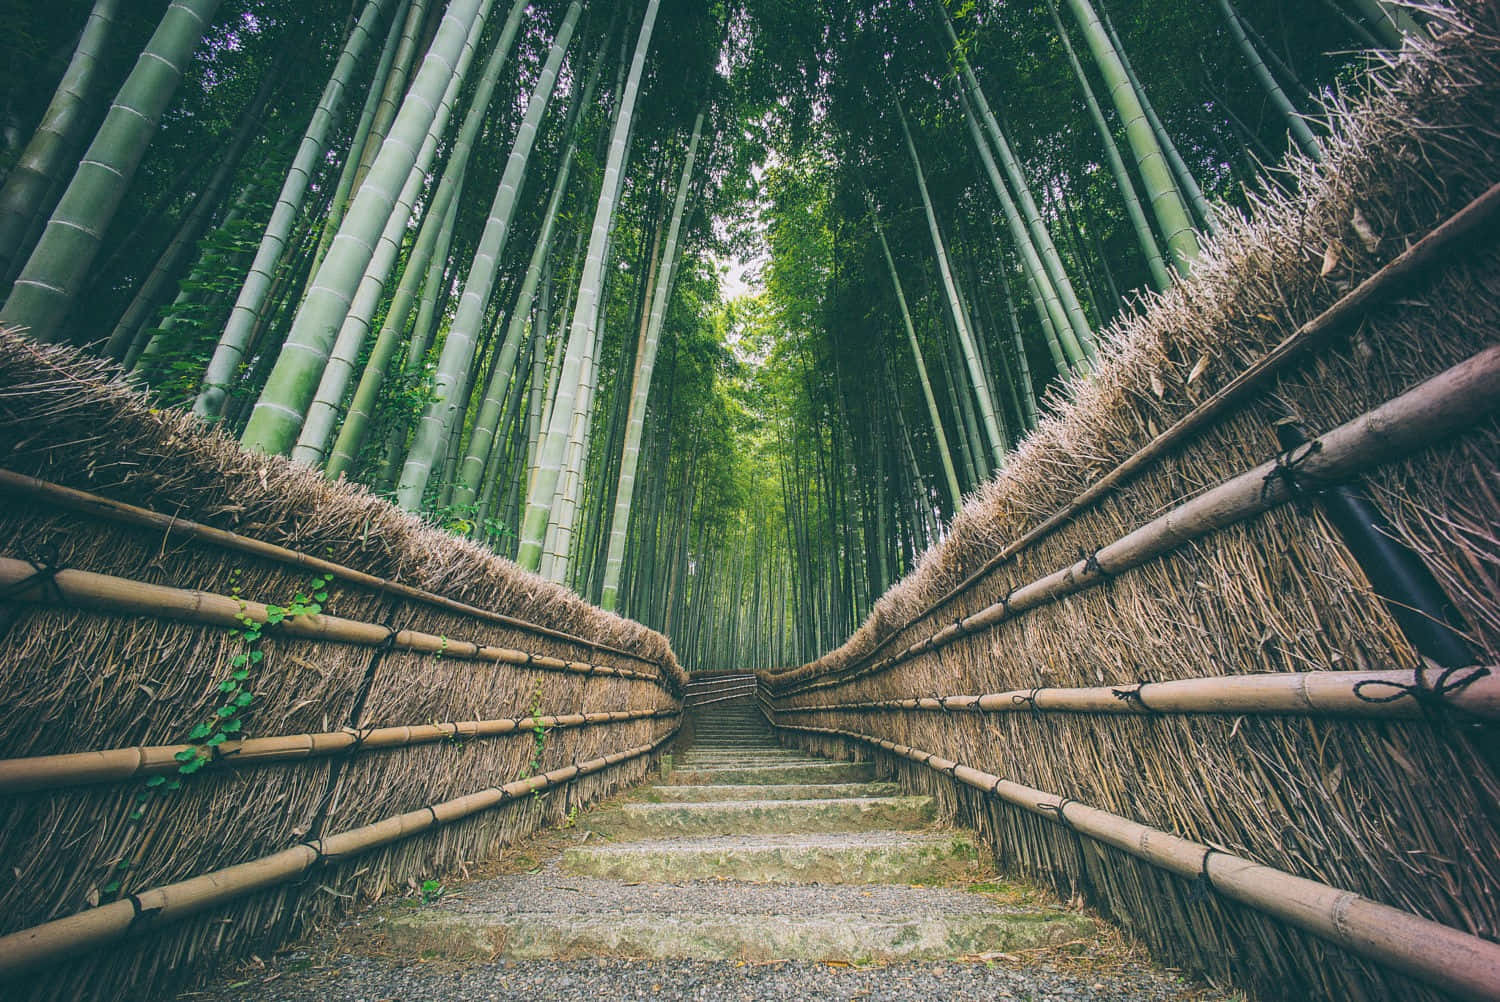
(745, 871)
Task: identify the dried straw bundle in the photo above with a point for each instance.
(1402, 812)
(80, 681)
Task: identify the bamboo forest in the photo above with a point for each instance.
(529, 331)
(878, 359)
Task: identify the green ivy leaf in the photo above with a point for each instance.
(110, 888)
(199, 732)
(187, 769)
(175, 784)
(244, 699)
(226, 711)
(228, 685)
(156, 780)
(186, 754)
(257, 656)
(321, 596)
(240, 660)
(217, 740)
(233, 726)
(240, 675)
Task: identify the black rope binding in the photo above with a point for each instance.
(1027, 699)
(1203, 886)
(1005, 603)
(1091, 563)
(1429, 698)
(45, 567)
(389, 643)
(959, 628)
(1288, 472)
(1057, 809)
(1133, 697)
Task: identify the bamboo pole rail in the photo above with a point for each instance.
(49, 772)
(1448, 402)
(106, 593)
(1474, 691)
(42, 491)
(51, 942)
(1438, 955)
(1475, 217)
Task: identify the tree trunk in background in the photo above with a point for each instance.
(322, 413)
(585, 314)
(458, 350)
(645, 367)
(278, 414)
(253, 294)
(1161, 279)
(950, 476)
(54, 274)
(1166, 201)
(26, 198)
(1296, 124)
(996, 440)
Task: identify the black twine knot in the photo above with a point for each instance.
(1091, 563)
(1428, 697)
(1027, 699)
(1005, 604)
(1288, 472)
(1132, 696)
(389, 643)
(1203, 886)
(1057, 811)
(45, 566)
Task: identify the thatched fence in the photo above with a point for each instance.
(239, 700)
(1165, 663)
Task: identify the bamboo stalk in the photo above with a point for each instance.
(48, 772)
(51, 942)
(106, 593)
(30, 488)
(1438, 955)
(1471, 220)
(1474, 691)
(1446, 403)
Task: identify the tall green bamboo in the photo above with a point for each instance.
(40, 170)
(257, 286)
(640, 388)
(1052, 271)
(487, 420)
(1295, 123)
(955, 496)
(580, 339)
(54, 274)
(1167, 203)
(448, 405)
(1161, 279)
(1185, 179)
(323, 412)
(995, 438)
(279, 412)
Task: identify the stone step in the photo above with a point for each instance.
(817, 935)
(823, 772)
(845, 858)
(849, 814)
(785, 791)
(721, 761)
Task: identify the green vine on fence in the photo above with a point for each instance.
(538, 738)
(227, 720)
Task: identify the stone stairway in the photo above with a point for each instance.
(746, 851)
(747, 872)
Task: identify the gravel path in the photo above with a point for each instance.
(364, 979)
